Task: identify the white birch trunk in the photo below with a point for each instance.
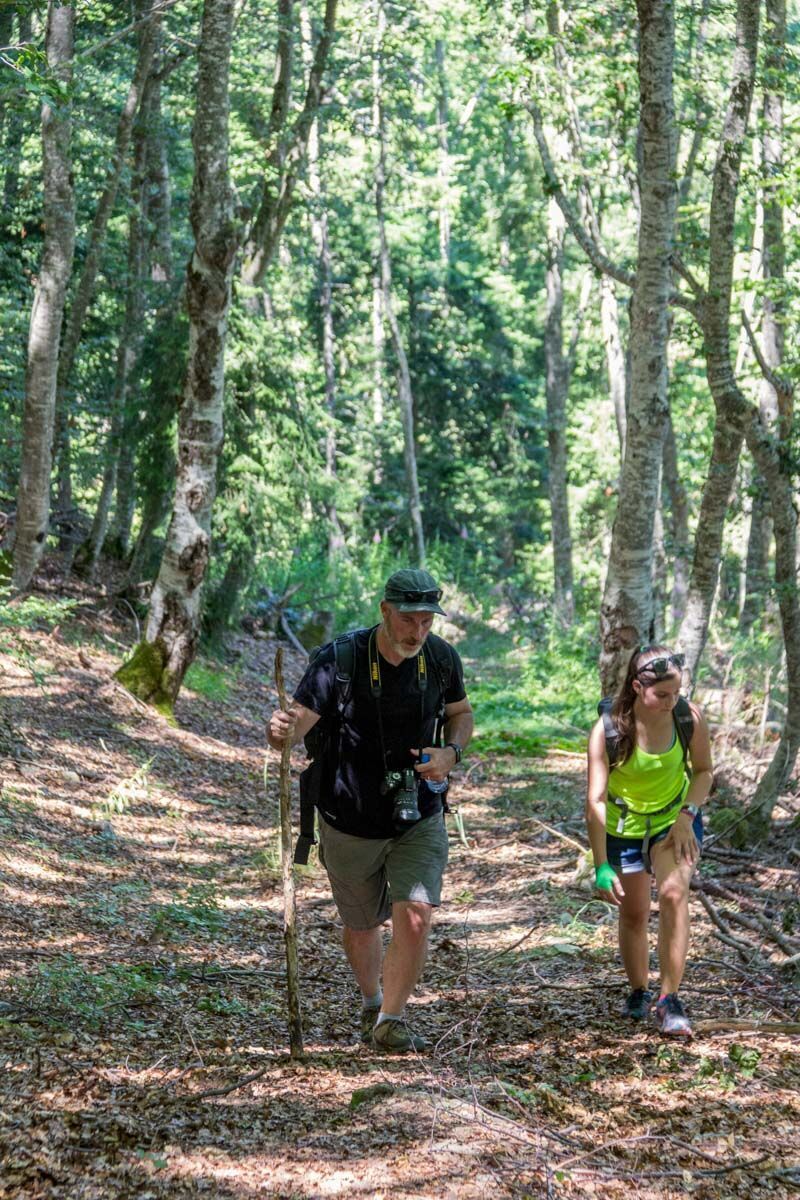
(33, 501)
(159, 664)
(627, 608)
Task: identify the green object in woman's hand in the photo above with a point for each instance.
(604, 877)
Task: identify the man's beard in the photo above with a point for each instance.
(406, 651)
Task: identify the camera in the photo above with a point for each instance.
(404, 784)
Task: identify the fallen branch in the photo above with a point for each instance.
(756, 921)
(232, 1087)
(745, 1026)
(725, 935)
(558, 834)
(290, 634)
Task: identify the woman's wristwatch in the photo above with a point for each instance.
(691, 809)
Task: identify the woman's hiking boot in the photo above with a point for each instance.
(671, 1017)
(395, 1036)
(637, 1006)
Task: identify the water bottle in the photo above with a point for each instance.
(434, 785)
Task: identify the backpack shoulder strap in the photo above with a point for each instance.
(610, 729)
(344, 652)
(438, 650)
(684, 724)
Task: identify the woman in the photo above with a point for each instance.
(642, 811)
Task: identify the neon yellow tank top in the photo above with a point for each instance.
(646, 783)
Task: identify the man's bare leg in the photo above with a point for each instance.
(364, 950)
(406, 953)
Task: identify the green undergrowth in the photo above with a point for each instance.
(32, 614)
(68, 988)
(211, 679)
(531, 697)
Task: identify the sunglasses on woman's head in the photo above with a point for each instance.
(662, 666)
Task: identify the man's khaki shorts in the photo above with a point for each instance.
(368, 875)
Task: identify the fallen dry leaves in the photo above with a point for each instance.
(142, 1003)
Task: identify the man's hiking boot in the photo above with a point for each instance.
(671, 1017)
(395, 1036)
(368, 1018)
(637, 1006)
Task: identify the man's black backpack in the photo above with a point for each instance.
(681, 716)
(322, 740)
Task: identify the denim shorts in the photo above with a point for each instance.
(625, 854)
(367, 875)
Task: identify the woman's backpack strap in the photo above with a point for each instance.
(684, 724)
(609, 729)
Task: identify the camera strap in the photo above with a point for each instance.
(376, 687)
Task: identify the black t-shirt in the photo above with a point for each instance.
(409, 720)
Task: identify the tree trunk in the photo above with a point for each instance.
(717, 492)
(615, 356)
(443, 155)
(33, 502)
(626, 611)
(130, 340)
(679, 542)
(286, 156)
(156, 506)
(776, 411)
(156, 670)
(224, 600)
(556, 387)
(758, 556)
(319, 233)
(5, 40)
(762, 435)
(84, 291)
(403, 375)
(657, 630)
(158, 194)
(15, 135)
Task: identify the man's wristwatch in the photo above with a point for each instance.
(691, 809)
(454, 746)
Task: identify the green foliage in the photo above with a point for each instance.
(196, 914)
(30, 613)
(67, 988)
(220, 1004)
(546, 695)
(209, 679)
(33, 612)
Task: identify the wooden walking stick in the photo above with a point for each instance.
(289, 902)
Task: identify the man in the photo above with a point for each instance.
(381, 857)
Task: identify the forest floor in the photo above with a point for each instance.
(142, 1000)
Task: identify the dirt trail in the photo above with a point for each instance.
(141, 983)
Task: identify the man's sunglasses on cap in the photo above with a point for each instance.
(431, 597)
(661, 666)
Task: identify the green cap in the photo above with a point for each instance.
(413, 590)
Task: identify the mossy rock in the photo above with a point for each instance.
(144, 677)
